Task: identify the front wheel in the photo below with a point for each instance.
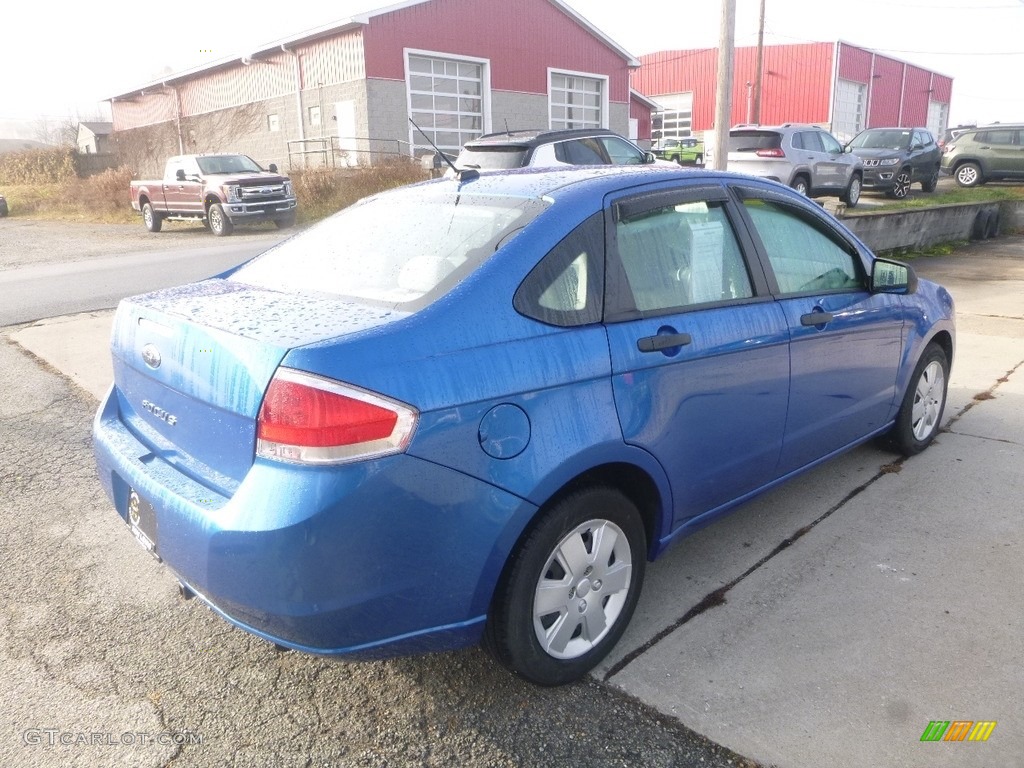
(852, 194)
(920, 414)
(286, 223)
(219, 222)
(151, 218)
(570, 588)
(900, 185)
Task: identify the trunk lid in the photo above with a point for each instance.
(191, 365)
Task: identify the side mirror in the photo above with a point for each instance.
(180, 175)
(892, 277)
(648, 158)
(273, 168)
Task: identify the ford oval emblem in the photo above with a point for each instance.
(151, 356)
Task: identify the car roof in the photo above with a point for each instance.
(535, 137)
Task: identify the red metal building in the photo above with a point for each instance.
(838, 86)
(458, 67)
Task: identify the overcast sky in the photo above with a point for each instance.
(56, 63)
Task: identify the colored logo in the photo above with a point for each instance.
(958, 730)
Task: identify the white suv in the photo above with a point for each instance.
(804, 157)
(547, 149)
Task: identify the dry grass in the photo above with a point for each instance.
(105, 197)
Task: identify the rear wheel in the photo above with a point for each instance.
(570, 588)
(151, 218)
(219, 222)
(931, 182)
(920, 414)
(968, 175)
(801, 185)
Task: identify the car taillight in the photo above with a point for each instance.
(307, 419)
(775, 152)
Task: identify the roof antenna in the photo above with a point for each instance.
(507, 131)
(467, 174)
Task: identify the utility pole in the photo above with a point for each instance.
(758, 74)
(723, 99)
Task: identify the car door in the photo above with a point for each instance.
(999, 151)
(699, 351)
(845, 342)
(836, 163)
(184, 196)
(924, 155)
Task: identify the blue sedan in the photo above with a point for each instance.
(472, 410)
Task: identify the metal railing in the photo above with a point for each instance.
(343, 151)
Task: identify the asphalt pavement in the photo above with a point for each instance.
(830, 621)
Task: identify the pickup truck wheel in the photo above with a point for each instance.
(151, 218)
(220, 224)
(286, 222)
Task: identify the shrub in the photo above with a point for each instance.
(38, 166)
(323, 191)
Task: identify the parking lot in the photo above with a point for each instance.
(826, 623)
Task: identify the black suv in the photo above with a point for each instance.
(895, 158)
(545, 149)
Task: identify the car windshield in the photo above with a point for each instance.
(405, 247)
(882, 140)
(751, 141)
(492, 158)
(227, 164)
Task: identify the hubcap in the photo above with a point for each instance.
(582, 589)
(902, 185)
(967, 175)
(924, 416)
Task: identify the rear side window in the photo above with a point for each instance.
(805, 257)
(996, 137)
(567, 286)
(581, 152)
(809, 140)
(751, 141)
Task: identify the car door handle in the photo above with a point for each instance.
(816, 318)
(663, 341)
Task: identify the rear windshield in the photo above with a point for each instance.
(492, 158)
(400, 249)
(751, 141)
(889, 139)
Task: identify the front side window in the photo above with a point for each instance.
(804, 256)
(681, 255)
(830, 144)
(576, 101)
(399, 249)
(622, 152)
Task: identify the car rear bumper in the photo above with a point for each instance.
(314, 558)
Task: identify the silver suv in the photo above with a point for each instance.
(804, 157)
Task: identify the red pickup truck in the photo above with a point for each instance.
(219, 190)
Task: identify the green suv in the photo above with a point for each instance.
(983, 154)
(687, 151)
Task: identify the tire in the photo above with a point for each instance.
(801, 185)
(992, 227)
(591, 543)
(852, 194)
(698, 160)
(900, 185)
(979, 230)
(931, 183)
(151, 219)
(285, 223)
(968, 175)
(219, 222)
(920, 414)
